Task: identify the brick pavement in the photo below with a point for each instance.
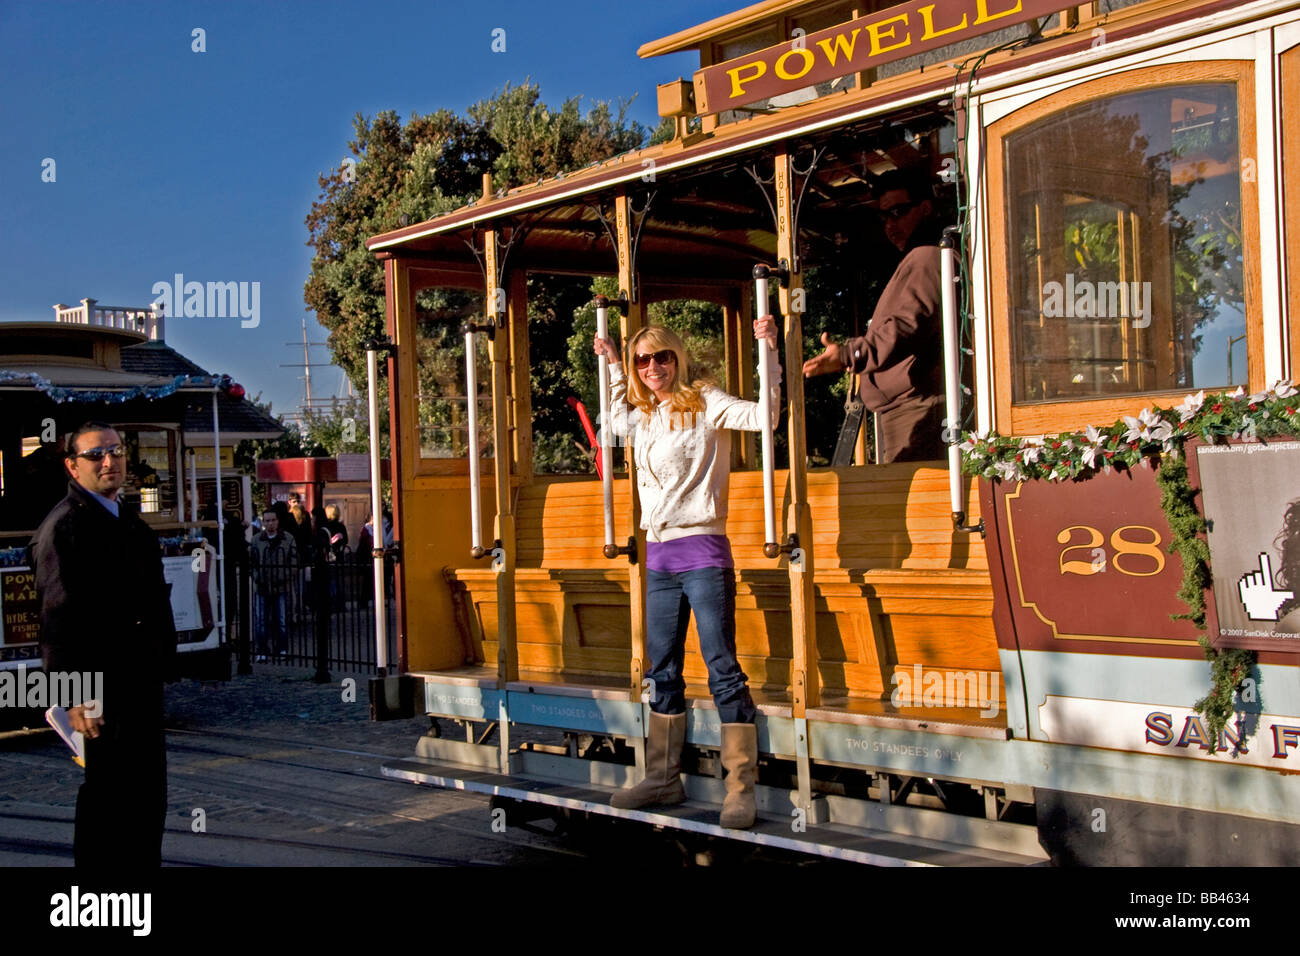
(266, 784)
(284, 703)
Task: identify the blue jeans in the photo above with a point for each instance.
(670, 599)
(272, 622)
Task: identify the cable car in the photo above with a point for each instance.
(976, 658)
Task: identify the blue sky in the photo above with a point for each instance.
(168, 160)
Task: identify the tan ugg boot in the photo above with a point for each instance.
(662, 785)
(740, 760)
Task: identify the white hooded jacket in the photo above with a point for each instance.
(683, 467)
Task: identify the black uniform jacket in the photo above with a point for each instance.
(105, 606)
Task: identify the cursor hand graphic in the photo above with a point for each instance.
(1257, 594)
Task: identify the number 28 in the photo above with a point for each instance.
(1122, 546)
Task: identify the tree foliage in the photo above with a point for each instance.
(432, 164)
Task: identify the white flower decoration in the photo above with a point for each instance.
(1190, 406)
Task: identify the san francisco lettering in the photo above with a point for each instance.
(902, 31)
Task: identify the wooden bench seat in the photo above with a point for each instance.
(894, 586)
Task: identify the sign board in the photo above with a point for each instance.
(19, 608)
(194, 594)
(901, 31)
(1261, 740)
(353, 468)
(1087, 567)
(179, 573)
(1251, 503)
(203, 457)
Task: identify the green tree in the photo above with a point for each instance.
(291, 444)
(429, 166)
(344, 427)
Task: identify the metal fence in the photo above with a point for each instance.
(327, 608)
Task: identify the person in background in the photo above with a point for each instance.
(365, 547)
(323, 586)
(899, 361)
(301, 533)
(338, 531)
(274, 558)
(678, 430)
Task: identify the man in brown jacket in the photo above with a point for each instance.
(899, 360)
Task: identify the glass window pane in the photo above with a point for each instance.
(442, 410)
(1126, 252)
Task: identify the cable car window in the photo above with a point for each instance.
(442, 409)
(150, 470)
(1126, 252)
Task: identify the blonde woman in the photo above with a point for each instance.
(675, 425)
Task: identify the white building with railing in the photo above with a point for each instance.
(148, 321)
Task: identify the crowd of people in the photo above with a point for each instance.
(288, 544)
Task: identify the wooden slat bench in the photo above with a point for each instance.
(894, 585)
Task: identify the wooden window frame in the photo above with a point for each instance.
(416, 278)
(1068, 415)
(1290, 93)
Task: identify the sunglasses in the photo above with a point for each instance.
(898, 212)
(97, 454)
(664, 357)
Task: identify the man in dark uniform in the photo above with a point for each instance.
(899, 360)
(105, 608)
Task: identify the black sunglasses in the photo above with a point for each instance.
(663, 357)
(97, 454)
(898, 212)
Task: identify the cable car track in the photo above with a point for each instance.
(64, 849)
(250, 787)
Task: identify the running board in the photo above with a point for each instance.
(831, 840)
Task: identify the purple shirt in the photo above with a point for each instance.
(691, 553)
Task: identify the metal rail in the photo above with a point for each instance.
(952, 376)
(771, 547)
(606, 429)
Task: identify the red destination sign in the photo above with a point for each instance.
(894, 34)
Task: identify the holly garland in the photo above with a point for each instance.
(60, 394)
(1135, 441)
(1157, 435)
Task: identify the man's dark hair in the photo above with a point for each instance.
(914, 182)
(70, 442)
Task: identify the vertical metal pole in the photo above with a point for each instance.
(771, 547)
(606, 427)
(952, 367)
(471, 395)
(192, 470)
(221, 516)
(377, 515)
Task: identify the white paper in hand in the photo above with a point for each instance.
(57, 718)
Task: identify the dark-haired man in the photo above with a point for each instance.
(105, 608)
(899, 360)
(274, 558)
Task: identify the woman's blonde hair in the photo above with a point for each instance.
(686, 398)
